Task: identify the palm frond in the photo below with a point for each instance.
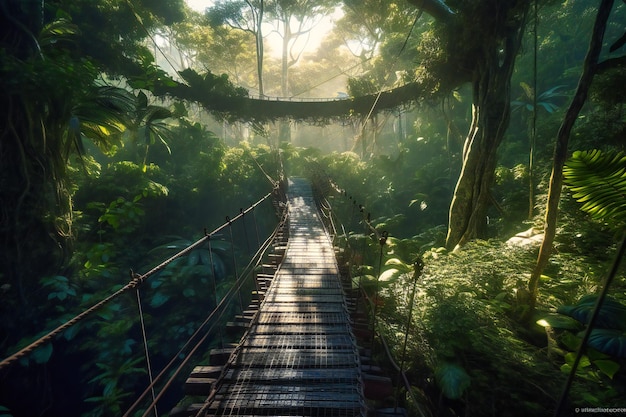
(59, 30)
(104, 114)
(598, 181)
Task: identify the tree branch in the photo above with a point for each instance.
(436, 8)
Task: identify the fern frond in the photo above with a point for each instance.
(598, 181)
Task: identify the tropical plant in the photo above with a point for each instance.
(608, 334)
(598, 181)
(52, 102)
(203, 265)
(547, 99)
(148, 126)
(464, 343)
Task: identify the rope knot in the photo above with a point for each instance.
(136, 279)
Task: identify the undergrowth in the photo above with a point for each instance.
(468, 354)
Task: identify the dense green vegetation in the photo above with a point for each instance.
(107, 163)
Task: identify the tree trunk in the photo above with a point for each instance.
(490, 119)
(560, 148)
(284, 126)
(259, 48)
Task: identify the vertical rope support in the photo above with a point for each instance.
(362, 249)
(232, 246)
(214, 284)
(418, 266)
(147, 353)
(245, 229)
(381, 241)
(256, 228)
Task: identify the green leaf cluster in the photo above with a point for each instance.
(598, 181)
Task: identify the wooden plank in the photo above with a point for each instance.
(209, 371)
(198, 386)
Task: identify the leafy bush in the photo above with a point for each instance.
(466, 348)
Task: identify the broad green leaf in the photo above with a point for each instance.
(5, 412)
(609, 341)
(389, 275)
(452, 379)
(570, 341)
(158, 299)
(598, 181)
(607, 367)
(583, 363)
(559, 321)
(70, 333)
(193, 258)
(399, 265)
(42, 354)
(612, 314)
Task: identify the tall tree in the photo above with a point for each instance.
(294, 19)
(481, 41)
(590, 67)
(222, 50)
(246, 15)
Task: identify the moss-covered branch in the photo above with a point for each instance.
(222, 98)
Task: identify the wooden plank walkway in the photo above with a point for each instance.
(299, 356)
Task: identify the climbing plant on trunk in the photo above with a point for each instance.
(480, 42)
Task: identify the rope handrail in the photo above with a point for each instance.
(381, 238)
(237, 349)
(216, 314)
(135, 282)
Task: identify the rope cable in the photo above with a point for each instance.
(382, 242)
(372, 304)
(245, 231)
(380, 91)
(232, 250)
(214, 285)
(216, 314)
(145, 346)
(53, 333)
(136, 280)
(215, 388)
(342, 72)
(417, 267)
(156, 46)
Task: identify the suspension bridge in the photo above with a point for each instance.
(299, 355)
(262, 109)
(305, 345)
